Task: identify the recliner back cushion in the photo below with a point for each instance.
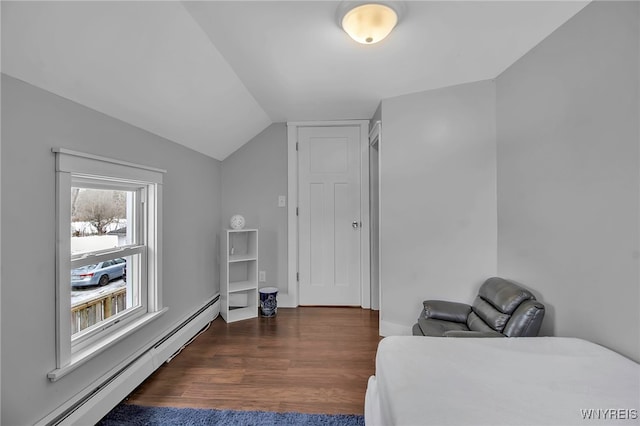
(503, 295)
(475, 323)
(490, 315)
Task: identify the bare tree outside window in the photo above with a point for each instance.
(100, 208)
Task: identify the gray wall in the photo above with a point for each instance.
(438, 199)
(568, 176)
(34, 121)
(252, 179)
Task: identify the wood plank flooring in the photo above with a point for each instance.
(308, 359)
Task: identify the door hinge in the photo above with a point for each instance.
(297, 211)
(296, 146)
(298, 276)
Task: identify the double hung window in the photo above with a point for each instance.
(108, 253)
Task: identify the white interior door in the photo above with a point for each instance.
(329, 215)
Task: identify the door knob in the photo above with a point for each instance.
(355, 224)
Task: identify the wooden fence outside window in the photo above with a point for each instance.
(99, 308)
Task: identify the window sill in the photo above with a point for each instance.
(84, 355)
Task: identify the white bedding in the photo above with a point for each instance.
(501, 381)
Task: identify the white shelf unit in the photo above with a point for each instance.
(239, 274)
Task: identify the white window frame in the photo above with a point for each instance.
(138, 248)
(76, 168)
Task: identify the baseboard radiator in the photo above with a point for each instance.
(97, 401)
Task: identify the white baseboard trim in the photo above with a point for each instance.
(96, 406)
(96, 400)
(393, 329)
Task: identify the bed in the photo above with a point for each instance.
(501, 381)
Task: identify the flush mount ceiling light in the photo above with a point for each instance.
(368, 23)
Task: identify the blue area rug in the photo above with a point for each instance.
(134, 415)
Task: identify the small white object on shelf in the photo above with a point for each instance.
(237, 221)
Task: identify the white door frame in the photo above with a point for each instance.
(375, 136)
(291, 299)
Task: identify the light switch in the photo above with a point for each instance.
(262, 276)
(282, 201)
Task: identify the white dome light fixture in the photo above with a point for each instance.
(367, 23)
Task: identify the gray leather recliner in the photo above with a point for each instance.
(501, 309)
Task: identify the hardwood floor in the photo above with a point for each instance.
(308, 359)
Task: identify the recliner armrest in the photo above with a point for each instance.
(463, 333)
(445, 310)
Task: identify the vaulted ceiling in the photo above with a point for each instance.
(210, 75)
